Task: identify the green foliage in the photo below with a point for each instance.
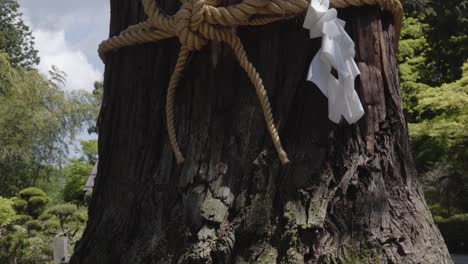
(31, 201)
(7, 212)
(13, 246)
(77, 173)
(15, 37)
(38, 120)
(438, 115)
(28, 240)
(53, 185)
(51, 226)
(89, 148)
(27, 193)
(71, 220)
(448, 38)
(412, 58)
(33, 225)
(36, 205)
(446, 35)
(19, 204)
(63, 211)
(439, 137)
(20, 245)
(21, 219)
(442, 123)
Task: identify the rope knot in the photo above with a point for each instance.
(188, 21)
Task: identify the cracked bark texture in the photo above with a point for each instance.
(350, 194)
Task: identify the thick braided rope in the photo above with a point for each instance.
(199, 21)
(171, 90)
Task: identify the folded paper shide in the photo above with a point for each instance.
(337, 52)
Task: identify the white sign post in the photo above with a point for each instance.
(60, 250)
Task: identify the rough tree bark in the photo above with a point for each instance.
(350, 194)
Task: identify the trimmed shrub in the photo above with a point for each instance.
(31, 201)
(63, 210)
(33, 225)
(51, 227)
(7, 213)
(36, 205)
(19, 205)
(27, 193)
(22, 219)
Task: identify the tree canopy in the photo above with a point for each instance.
(433, 64)
(38, 120)
(15, 37)
(446, 33)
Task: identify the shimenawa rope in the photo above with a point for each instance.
(199, 21)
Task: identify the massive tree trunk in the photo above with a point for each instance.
(350, 194)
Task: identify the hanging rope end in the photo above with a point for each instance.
(284, 158)
(179, 158)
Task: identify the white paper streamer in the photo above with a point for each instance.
(337, 51)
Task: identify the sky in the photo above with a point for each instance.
(67, 34)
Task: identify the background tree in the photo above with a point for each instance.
(35, 201)
(89, 149)
(7, 213)
(447, 37)
(440, 142)
(432, 50)
(70, 218)
(27, 228)
(21, 240)
(76, 173)
(38, 121)
(15, 37)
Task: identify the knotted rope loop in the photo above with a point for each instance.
(187, 22)
(199, 21)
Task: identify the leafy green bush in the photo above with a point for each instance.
(77, 174)
(27, 193)
(33, 225)
(22, 219)
(36, 205)
(7, 213)
(455, 232)
(51, 227)
(438, 210)
(32, 201)
(63, 210)
(13, 244)
(45, 216)
(19, 205)
(67, 220)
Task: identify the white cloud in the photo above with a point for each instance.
(54, 50)
(67, 35)
(85, 23)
